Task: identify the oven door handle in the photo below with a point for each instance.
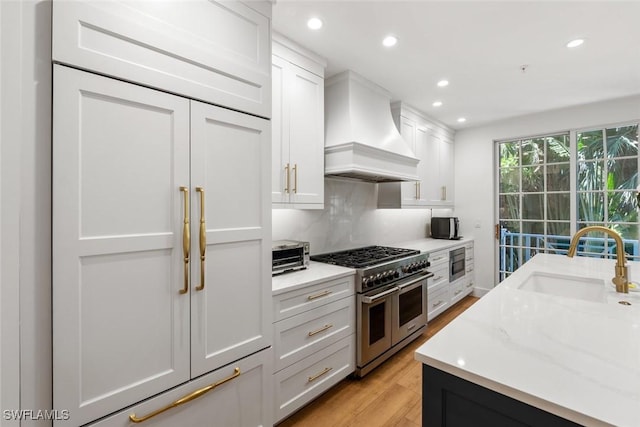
(369, 300)
(415, 280)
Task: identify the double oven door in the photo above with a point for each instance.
(390, 314)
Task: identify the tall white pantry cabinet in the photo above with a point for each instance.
(161, 213)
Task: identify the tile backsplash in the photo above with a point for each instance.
(350, 219)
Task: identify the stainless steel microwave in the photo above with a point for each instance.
(289, 255)
(445, 228)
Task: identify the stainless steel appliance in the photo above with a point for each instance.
(287, 255)
(445, 228)
(391, 286)
(456, 264)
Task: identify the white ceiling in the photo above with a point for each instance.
(479, 46)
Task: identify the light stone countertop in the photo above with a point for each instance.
(317, 272)
(575, 356)
(429, 244)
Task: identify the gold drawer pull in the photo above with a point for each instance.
(316, 376)
(188, 398)
(457, 292)
(203, 238)
(437, 278)
(324, 328)
(295, 178)
(186, 240)
(320, 295)
(439, 303)
(286, 178)
(470, 284)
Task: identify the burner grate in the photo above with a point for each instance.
(364, 257)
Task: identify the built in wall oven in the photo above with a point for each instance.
(456, 264)
(391, 299)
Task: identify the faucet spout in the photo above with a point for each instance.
(621, 276)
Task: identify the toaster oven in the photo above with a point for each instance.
(289, 255)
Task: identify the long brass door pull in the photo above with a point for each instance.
(186, 240)
(203, 238)
(188, 398)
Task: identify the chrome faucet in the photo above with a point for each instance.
(620, 280)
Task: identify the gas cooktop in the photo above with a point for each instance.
(364, 257)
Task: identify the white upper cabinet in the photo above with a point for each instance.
(214, 51)
(438, 186)
(432, 144)
(297, 127)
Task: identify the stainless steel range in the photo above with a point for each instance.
(391, 286)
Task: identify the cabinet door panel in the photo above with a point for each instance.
(243, 401)
(409, 132)
(120, 326)
(231, 315)
(306, 132)
(280, 133)
(216, 51)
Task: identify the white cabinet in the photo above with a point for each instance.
(214, 51)
(432, 143)
(314, 342)
(297, 127)
(438, 295)
(161, 249)
(438, 183)
(441, 293)
(233, 395)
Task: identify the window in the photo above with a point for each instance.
(551, 186)
(534, 198)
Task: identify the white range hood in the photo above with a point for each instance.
(361, 140)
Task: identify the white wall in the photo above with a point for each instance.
(475, 167)
(25, 207)
(351, 219)
(9, 211)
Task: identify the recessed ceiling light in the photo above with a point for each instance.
(462, 120)
(314, 23)
(390, 41)
(443, 83)
(437, 104)
(575, 43)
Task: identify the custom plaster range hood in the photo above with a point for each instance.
(361, 140)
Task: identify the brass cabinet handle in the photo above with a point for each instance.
(419, 189)
(316, 376)
(286, 178)
(444, 192)
(186, 240)
(188, 398)
(295, 178)
(320, 295)
(439, 303)
(203, 238)
(324, 328)
(417, 197)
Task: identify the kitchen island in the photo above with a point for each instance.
(550, 345)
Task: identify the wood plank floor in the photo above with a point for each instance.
(390, 396)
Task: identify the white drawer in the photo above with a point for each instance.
(244, 400)
(300, 336)
(302, 382)
(468, 268)
(214, 51)
(458, 290)
(437, 302)
(439, 257)
(303, 299)
(440, 277)
(468, 285)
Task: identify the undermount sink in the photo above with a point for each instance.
(585, 288)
